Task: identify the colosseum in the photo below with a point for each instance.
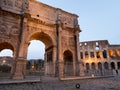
(100, 57)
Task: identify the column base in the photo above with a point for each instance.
(18, 77)
(19, 70)
(61, 74)
(82, 73)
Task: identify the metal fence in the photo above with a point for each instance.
(98, 72)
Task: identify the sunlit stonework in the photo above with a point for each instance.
(24, 20)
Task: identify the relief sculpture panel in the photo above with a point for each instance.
(14, 31)
(18, 4)
(14, 5)
(43, 13)
(3, 31)
(6, 30)
(7, 2)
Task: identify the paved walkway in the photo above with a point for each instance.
(111, 83)
(6, 80)
(33, 79)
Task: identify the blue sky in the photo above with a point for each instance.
(98, 20)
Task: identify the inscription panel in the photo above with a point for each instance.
(42, 12)
(49, 14)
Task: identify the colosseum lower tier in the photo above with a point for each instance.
(100, 58)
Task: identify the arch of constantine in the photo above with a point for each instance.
(22, 21)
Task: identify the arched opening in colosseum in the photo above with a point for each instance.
(106, 66)
(118, 52)
(42, 66)
(104, 54)
(87, 69)
(92, 54)
(93, 67)
(111, 53)
(6, 59)
(81, 55)
(68, 63)
(98, 54)
(87, 66)
(118, 65)
(112, 65)
(97, 51)
(100, 68)
(86, 54)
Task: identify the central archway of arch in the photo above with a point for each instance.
(49, 56)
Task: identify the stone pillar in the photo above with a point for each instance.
(54, 60)
(77, 51)
(61, 68)
(83, 52)
(95, 55)
(110, 65)
(101, 53)
(96, 66)
(89, 52)
(77, 48)
(116, 66)
(59, 61)
(45, 64)
(81, 69)
(20, 67)
(108, 57)
(75, 64)
(102, 72)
